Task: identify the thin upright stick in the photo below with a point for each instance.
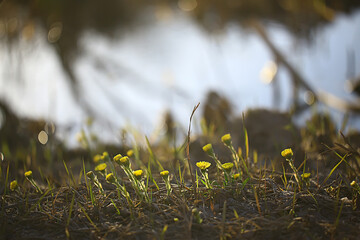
(188, 150)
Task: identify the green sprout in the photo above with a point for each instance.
(305, 177)
(110, 178)
(288, 155)
(203, 166)
(165, 175)
(196, 214)
(134, 176)
(93, 178)
(29, 177)
(227, 167)
(226, 139)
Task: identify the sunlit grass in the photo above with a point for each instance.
(230, 193)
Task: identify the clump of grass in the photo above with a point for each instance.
(110, 178)
(273, 209)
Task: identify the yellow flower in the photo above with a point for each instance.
(203, 165)
(353, 183)
(90, 175)
(208, 149)
(123, 161)
(117, 157)
(110, 178)
(13, 185)
(138, 174)
(105, 156)
(97, 158)
(226, 139)
(305, 176)
(287, 153)
(28, 174)
(236, 176)
(130, 153)
(164, 174)
(227, 166)
(101, 167)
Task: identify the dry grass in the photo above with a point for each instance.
(267, 206)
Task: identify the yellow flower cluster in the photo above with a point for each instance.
(13, 185)
(305, 176)
(124, 161)
(287, 153)
(227, 166)
(28, 174)
(208, 149)
(130, 153)
(101, 167)
(90, 175)
(97, 158)
(226, 139)
(164, 173)
(110, 178)
(138, 173)
(236, 176)
(203, 165)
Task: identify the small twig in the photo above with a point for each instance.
(188, 150)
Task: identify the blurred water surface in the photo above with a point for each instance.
(138, 74)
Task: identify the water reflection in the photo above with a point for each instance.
(137, 74)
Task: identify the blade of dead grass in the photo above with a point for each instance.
(70, 174)
(246, 139)
(88, 218)
(70, 210)
(188, 150)
(149, 175)
(257, 200)
(334, 168)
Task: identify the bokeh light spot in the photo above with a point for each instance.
(309, 97)
(49, 128)
(268, 72)
(55, 32)
(43, 137)
(187, 5)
